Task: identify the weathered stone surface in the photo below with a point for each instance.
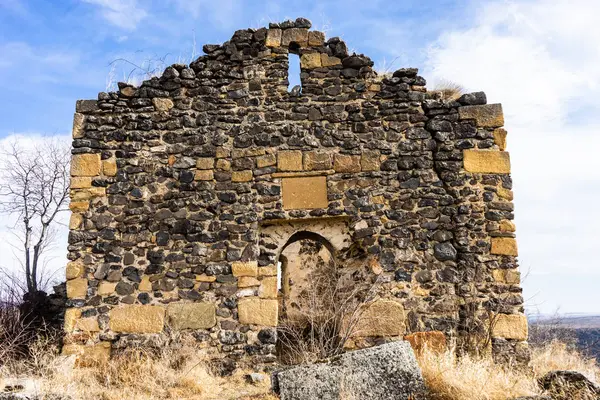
(256, 311)
(508, 276)
(510, 326)
(316, 38)
(500, 138)
(329, 61)
(109, 167)
(486, 116)
(137, 319)
(386, 372)
(88, 356)
(268, 288)
(77, 288)
(304, 193)
(289, 160)
(162, 104)
(444, 251)
(317, 160)
(78, 125)
(241, 176)
(74, 270)
(85, 165)
(504, 246)
(244, 268)
(81, 182)
(568, 385)
(89, 324)
(273, 38)
(381, 318)
(370, 161)
(106, 288)
(310, 60)
(481, 161)
(434, 341)
(205, 163)
(295, 35)
(346, 163)
(191, 316)
(71, 317)
(206, 175)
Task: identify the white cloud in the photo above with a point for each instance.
(539, 58)
(125, 14)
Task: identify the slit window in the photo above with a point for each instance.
(294, 83)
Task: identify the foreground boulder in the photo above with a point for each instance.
(567, 385)
(386, 372)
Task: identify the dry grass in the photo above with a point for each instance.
(479, 378)
(135, 374)
(448, 90)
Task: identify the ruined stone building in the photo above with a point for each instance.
(194, 195)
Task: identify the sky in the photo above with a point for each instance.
(539, 58)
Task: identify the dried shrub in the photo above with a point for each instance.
(448, 90)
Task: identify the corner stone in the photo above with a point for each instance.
(241, 268)
(486, 162)
(510, 326)
(485, 116)
(310, 61)
(85, 165)
(504, 246)
(273, 38)
(77, 288)
(255, 311)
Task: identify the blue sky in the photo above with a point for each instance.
(538, 57)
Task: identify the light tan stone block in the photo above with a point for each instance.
(87, 194)
(268, 288)
(223, 165)
(297, 35)
(205, 163)
(505, 193)
(241, 176)
(74, 269)
(204, 175)
(485, 116)
(346, 163)
(381, 318)
(316, 38)
(508, 276)
(137, 319)
(85, 165)
(266, 160)
(247, 281)
(244, 268)
(317, 160)
(191, 315)
(256, 311)
(88, 356)
(109, 167)
(500, 138)
(370, 160)
(289, 160)
(107, 288)
(507, 226)
(486, 162)
(434, 341)
(71, 317)
(223, 152)
(162, 104)
(510, 326)
(77, 288)
(310, 60)
(329, 61)
(81, 182)
(75, 221)
(78, 123)
(145, 284)
(273, 38)
(504, 246)
(304, 193)
(269, 270)
(79, 206)
(206, 278)
(89, 324)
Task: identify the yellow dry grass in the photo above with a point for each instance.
(479, 378)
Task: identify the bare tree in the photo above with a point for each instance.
(34, 189)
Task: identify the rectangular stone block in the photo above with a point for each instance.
(78, 121)
(289, 160)
(205, 163)
(241, 176)
(74, 270)
(71, 317)
(106, 288)
(317, 160)
(382, 318)
(256, 311)
(89, 324)
(510, 326)
(485, 116)
(500, 138)
(81, 182)
(204, 175)
(296, 35)
(346, 163)
(88, 356)
(86, 106)
(109, 167)
(316, 38)
(268, 288)
(247, 281)
(486, 161)
(370, 160)
(266, 160)
(310, 60)
(273, 38)
(85, 165)
(191, 316)
(162, 104)
(77, 288)
(505, 246)
(304, 192)
(244, 268)
(75, 221)
(79, 206)
(137, 319)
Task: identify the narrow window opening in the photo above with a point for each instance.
(294, 83)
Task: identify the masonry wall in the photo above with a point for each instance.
(185, 190)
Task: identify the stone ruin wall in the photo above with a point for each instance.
(186, 189)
